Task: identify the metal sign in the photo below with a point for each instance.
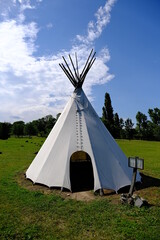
(136, 162)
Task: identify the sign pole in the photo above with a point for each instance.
(134, 162)
(133, 181)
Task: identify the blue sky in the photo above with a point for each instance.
(34, 34)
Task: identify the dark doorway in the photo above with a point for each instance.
(81, 172)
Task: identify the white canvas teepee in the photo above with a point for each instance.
(80, 129)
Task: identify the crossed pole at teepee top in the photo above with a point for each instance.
(77, 79)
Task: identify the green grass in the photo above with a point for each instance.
(150, 151)
(26, 214)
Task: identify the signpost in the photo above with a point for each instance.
(135, 163)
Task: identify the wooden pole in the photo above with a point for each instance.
(133, 181)
(68, 67)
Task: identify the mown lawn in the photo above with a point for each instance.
(26, 214)
(150, 151)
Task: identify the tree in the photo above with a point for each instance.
(5, 129)
(44, 125)
(31, 129)
(18, 128)
(142, 126)
(155, 123)
(107, 114)
(155, 115)
(129, 128)
(50, 122)
(117, 126)
(58, 115)
(122, 131)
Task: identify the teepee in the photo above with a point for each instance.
(79, 129)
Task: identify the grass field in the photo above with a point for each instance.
(26, 214)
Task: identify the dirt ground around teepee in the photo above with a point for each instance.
(148, 190)
(86, 196)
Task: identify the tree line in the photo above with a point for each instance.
(40, 127)
(119, 128)
(144, 130)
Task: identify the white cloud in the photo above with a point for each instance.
(102, 19)
(17, 46)
(49, 25)
(32, 87)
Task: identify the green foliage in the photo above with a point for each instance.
(142, 126)
(117, 126)
(44, 125)
(26, 214)
(111, 120)
(107, 114)
(129, 128)
(155, 123)
(5, 129)
(40, 127)
(31, 129)
(155, 115)
(148, 129)
(145, 130)
(18, 128)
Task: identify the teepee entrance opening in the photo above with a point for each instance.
(81, 172)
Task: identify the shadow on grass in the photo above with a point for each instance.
(147, 182)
